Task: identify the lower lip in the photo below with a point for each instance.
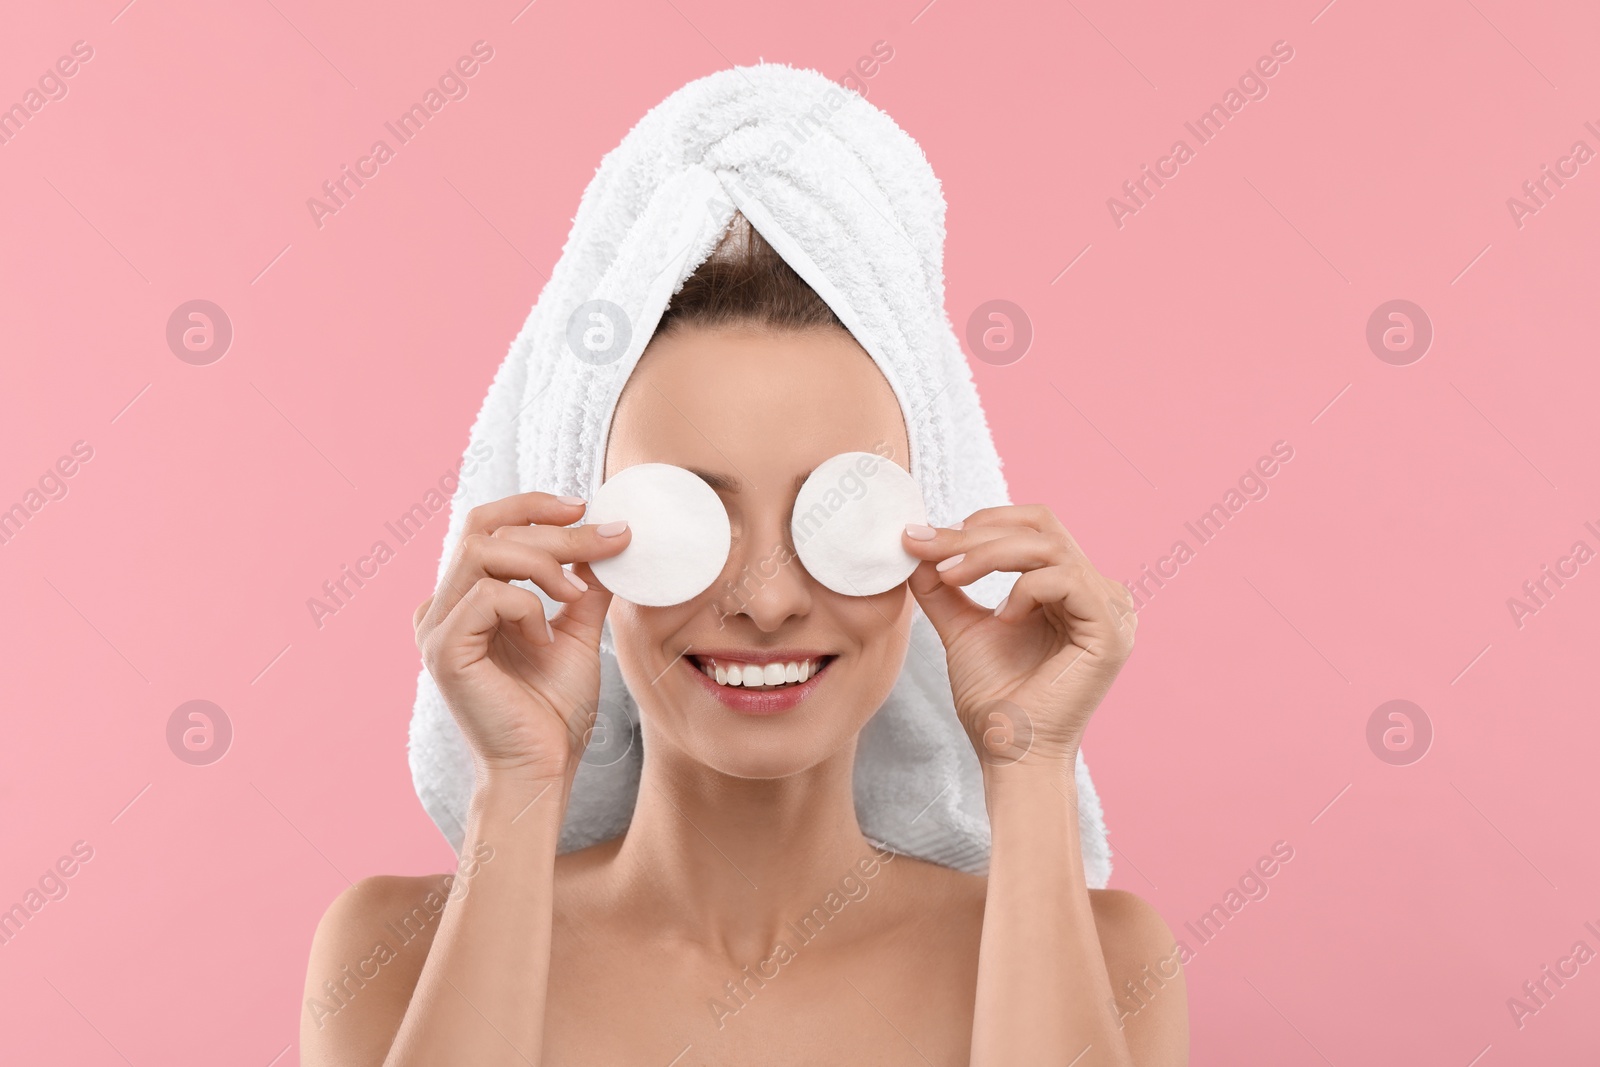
(759, 701)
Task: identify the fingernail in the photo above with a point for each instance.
(583, 586)
(550, 634)
(945, 565)
(570, 499)
(919, 532)
(959, 525)
(612, 529)
(998, 608)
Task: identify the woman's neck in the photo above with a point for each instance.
(731, 862)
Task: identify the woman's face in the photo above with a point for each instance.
(753, 412)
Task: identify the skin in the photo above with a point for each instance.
(620, 953)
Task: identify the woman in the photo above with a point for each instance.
(742, 915)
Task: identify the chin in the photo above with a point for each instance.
(761, 759)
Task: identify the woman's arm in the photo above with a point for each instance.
(1051, 960)
(523, 689)
(403, 969)
(1025, 678)
(481, 995)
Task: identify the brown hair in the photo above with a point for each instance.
(745, 282)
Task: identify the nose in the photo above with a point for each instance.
(764, 581)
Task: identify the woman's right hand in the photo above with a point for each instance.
(523, 691)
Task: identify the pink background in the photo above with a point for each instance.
(1227, 314)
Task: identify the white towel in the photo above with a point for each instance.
(848, 199)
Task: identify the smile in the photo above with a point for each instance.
(778, 682)
(775, 675)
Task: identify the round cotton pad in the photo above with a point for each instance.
(848, 520)
(680, 531)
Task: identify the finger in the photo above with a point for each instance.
(422, 609)
(571, 544)
(936, 543)
(463, 636)
(532, 553)
(948, 608)
(1033, 516)
(479, 556)
(1020, 551)
(520, 509)
(509, 559)
(583, 618)
(584, 615)
(1079, 593)
(1121, 606)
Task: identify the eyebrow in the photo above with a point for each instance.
(727, 483)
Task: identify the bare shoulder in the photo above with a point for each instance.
(1144, 963)
(366, 956)
(1131, 931)
(1143, 959)
(1130, 928)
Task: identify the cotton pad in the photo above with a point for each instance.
(681, 534)
(848, 520)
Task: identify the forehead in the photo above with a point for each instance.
(757, 405)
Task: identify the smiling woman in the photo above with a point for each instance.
(789, 741)
(856, 640)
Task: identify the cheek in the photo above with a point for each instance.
(629, 636)
(627, 624)
(878, 626)
(877, 629)
(640, 634)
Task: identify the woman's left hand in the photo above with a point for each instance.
(1025, 678)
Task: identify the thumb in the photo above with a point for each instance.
(583, 618)
(948, 608)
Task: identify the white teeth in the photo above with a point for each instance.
(761, 675)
